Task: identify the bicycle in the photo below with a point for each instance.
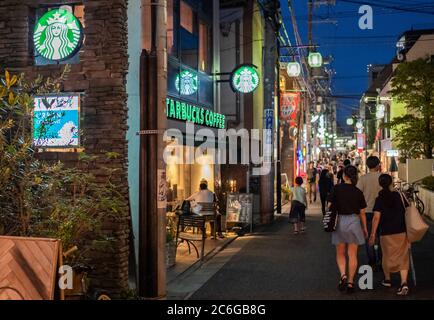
(410, 190)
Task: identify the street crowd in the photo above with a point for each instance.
(369, 212)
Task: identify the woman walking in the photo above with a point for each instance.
(298, 206)
(389, 217)
(325, 184)
(351, 230)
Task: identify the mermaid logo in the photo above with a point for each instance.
(244, 79)
(58, 35)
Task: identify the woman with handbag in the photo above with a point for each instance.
(351, 230)
(389, 217)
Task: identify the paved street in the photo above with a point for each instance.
(275, 264)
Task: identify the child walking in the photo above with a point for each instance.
(298, 206)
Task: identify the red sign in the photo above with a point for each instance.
(289, 104)
(360, 141)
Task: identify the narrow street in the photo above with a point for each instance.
(275, 264)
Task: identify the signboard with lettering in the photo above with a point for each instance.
(239, 208)
(56, 121)
(185, 111)
(392, 153)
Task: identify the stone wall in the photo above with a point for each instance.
(101, 76)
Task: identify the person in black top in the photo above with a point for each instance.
(351, 230)
(325, 184)
(389, 217)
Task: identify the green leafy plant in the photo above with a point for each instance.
(428, 182)
(45, 199)
(413, 85)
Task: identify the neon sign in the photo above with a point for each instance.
(187, 112)
(186, 83)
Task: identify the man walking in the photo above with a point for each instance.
(311, 180)
(370, 187)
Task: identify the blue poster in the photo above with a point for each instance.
(269, 120)
(56, 121)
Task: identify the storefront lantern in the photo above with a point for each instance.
(359, 124)
(350, 121)
(244, 79)
(186, 83)
(293, 69)
(58, 35)
(315, 59)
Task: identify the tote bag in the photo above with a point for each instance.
(416, 227)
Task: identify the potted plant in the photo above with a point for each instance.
(170, 242)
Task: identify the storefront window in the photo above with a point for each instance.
(205, 89)
(171, 40)
(204, 47)
(189, 40)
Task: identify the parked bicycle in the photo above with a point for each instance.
(410, 190)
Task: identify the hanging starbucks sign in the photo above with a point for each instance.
(58, 35)
(244, 79)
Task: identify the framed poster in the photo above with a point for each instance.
(56, 121)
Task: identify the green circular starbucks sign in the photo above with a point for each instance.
(245, 79)
(186, 82)
(58, 35)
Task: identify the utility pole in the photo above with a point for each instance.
(152, 197)
(270, 56)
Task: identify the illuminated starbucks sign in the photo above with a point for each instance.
(245, 79)
(184, 111)
(58, 35)
(186, 83)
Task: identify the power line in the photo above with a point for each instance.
(365, 2)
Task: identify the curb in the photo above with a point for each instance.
(196, 265)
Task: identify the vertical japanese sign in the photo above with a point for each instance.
(268, 126)
(289, 104)
(360, 142)
(56, 121)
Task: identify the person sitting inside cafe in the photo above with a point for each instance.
(207, 196)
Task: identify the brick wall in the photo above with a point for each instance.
(101, 76)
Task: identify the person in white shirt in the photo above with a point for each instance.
(370, 187)
(207, 196)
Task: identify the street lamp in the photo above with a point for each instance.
(350, 121)
(314, 59)
(293, 69)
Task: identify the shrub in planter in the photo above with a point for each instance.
(42, 199)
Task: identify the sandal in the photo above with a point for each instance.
(342, 283)
(403, 290)
(350, 288)
(386, 283)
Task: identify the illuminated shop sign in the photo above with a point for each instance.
(245, 79)
(315, 59)
(56, 121)
(188, 112)
(58, 35)
(186, 83)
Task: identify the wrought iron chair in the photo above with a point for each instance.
(193, 221)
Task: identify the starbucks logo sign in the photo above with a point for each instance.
(245, 79)
(58, 35)
(186, 83)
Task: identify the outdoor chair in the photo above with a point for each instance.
(192, 221)
(209, 211)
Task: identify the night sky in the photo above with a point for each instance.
(352, 48)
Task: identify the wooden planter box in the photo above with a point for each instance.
(170, 254)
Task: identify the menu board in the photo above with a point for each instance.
(239, 208)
